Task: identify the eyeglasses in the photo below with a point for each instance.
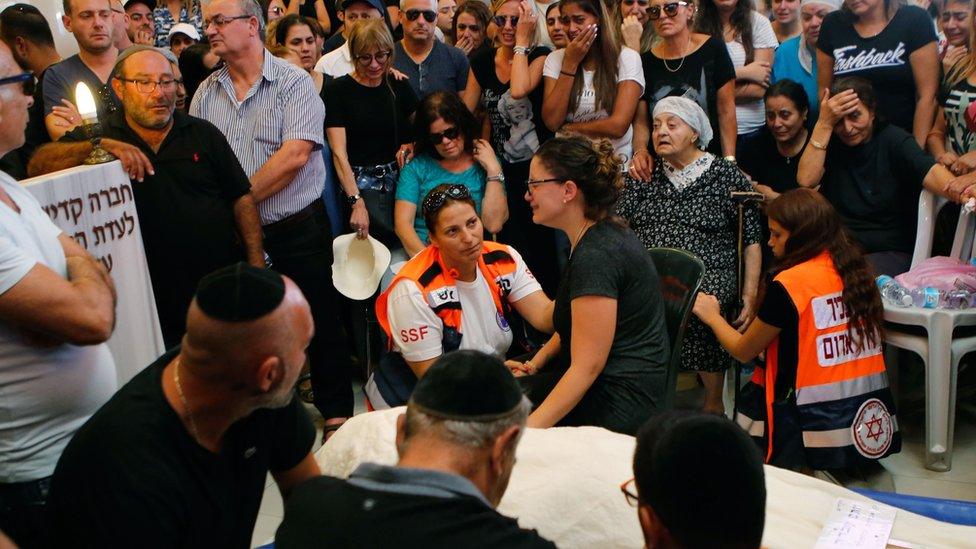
(501, 19)
(221, 21)
(670, 9)
(429, 15)
(535, 182)
(146, 87)
(450, 133)
(26, 79)
(629, 489)
(366, 59)
(435, 200)
(641, 3)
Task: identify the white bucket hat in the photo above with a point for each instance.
(358, 265)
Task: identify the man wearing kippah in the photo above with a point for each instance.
(457, 445)
(699, 482)
(179, 456)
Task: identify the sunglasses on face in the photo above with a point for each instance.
(670, 10)
(367, 58)
(501, 19)
(436, 199)
(25, 79)
(429, 15)
(451, 134)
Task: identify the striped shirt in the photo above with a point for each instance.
(281, 106)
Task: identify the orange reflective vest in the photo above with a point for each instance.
(436, 283)
(843, 405)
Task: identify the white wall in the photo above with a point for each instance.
(52, 10)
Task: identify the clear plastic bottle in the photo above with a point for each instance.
(893, 292)
(926, 298)
(956, 300)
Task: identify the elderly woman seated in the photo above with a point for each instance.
(457, 293)
(687, 205)
(872, 173)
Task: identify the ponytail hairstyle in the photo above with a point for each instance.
(605, 51)
(815, 227)
(708, 22)
(592, 165)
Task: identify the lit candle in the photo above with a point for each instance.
(85, 102)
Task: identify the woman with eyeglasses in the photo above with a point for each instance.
(447, 151)
(470, 28)
(592, 86)
(688, 205)
(458, 293)
(507, 82)
(751, 42)
(368, 125)
(687, 64)
(606, 363)
(636, 31)
(554, 26)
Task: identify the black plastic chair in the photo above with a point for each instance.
(681, 274)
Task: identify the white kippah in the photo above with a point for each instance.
(833, 4)
(691, 113)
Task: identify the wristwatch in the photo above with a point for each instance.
(520, 50)
(351, 200)
(499, 178)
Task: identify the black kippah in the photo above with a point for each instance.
(467, 386)
(240, 292)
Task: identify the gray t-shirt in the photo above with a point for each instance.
(61, 78)
(46, 393)
(444, 69)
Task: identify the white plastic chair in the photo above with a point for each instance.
(940, 352)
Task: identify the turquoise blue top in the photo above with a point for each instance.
(799, 66)
(423, 173)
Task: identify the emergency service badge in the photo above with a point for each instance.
(502, 322)
(872, 429)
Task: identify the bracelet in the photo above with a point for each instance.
(531, 365)
(730, 158)
(817, 145)
(520, 50)
(569, 74)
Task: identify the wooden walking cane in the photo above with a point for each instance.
(741, 198)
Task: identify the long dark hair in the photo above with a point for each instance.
(708, 22)
(606, 52)
(592, 165)
(448, 107)
(286, 23)
(814, 227)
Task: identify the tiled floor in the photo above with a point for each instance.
(907, 469)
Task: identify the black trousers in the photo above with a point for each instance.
(302, 251)
(22, 512)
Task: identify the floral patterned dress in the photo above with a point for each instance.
(691, 209)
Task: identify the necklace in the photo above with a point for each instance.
(579, 235)
(186, 407)
(683, 56)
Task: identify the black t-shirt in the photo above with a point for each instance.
(134, 477)
(779, 311)
(874, 187)
(373, 133)
(610, 261)
(763, 162)
(333, 43)
(699, 78)
(330, 512)
(186, 210)
(883, 59)
(517, 128)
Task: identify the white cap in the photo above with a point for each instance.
(184, 28)
(358, 265)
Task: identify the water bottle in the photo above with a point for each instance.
(892, 292)
(956, 300)
(926, 298)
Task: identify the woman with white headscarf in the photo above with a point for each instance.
(688, 205)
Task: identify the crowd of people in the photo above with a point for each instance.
(517, 160)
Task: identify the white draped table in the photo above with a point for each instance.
(95, 206)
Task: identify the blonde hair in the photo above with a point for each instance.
(647, 36)
(367, 35)
(966, 65)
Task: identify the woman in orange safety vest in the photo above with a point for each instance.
(822, 400)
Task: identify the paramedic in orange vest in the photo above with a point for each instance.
(822, 401)
(455, 294)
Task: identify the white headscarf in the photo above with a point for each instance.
(833, 4)
(691, 113)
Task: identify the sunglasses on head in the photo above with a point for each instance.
(25, 79)
(670, 9)
(501, 19)
(429, 15)
(450, 134)
(436, 199)
(641, 3)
